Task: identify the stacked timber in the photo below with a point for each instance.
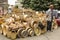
(24, 24)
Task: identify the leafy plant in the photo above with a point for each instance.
(40, 4)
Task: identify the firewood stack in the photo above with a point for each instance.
(24, 24)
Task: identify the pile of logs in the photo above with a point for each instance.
(24, 24)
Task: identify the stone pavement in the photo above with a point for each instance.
(55, 35)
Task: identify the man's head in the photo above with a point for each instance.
(51, 6)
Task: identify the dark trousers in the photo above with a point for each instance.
(49, 25)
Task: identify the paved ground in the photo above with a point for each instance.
(55, 35)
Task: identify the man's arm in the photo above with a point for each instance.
(56, 13)
(47, 13)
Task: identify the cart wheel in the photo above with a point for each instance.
(37, 31)
(22, 33)
(30, 31)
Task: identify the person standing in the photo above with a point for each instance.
(10, 8)
(51, 13)
(1, 10)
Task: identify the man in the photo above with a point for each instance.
(1, 10)
(10, 8)
(50, 14)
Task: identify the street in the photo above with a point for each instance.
(55, 35)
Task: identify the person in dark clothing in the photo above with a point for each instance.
(49, 25)
(50, 13)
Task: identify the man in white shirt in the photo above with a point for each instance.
(50, 14)
(10, 8)
(1, 10)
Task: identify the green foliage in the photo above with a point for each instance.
(40, 4)
(26, 3)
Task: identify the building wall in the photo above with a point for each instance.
(4, 3)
